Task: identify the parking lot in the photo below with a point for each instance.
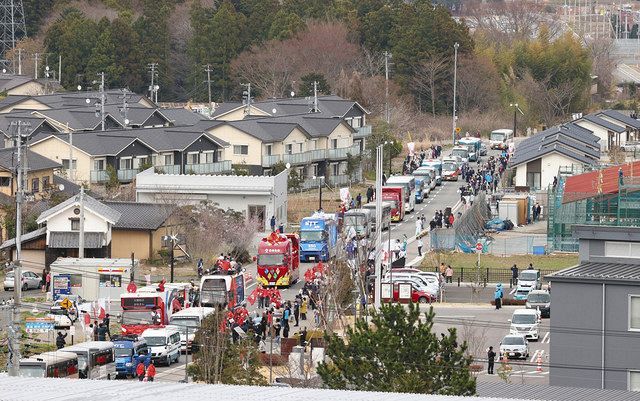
(483, 326)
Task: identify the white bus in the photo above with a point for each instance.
(95, 359)
(409, 184)
(189, 321)
(386, 215)
(501, 138)
(50, 364)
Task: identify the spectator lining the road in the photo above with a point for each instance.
(449, 274)
(497, 295)
(491, 357)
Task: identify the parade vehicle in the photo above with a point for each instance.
(526, 323)
(50, 364)
(223, 291)
(409, 184)
(435, 164)
(425, 182)
(430, 174)
(359, 222)
(95, 359)
(278, 261)
(128, 351)
(164, 344)
(318, 238)
(473, 144)
(395, 196)
(386, 214)
(188, 321)
(149, 306)
(420, 195)
(500, 138)
(460, 151)
(450, 170)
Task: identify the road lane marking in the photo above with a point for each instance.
(535, 354)
(545, 339)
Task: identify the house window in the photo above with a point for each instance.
(5, 181)
(75, 224)
(193, 158)
(335, 169)
(356, 122)
(35, 185)
(65, 164)
(154, 160)
(110, 280)
(98, 165)
(269, 150)
(139, 161)
(314, 170)
(45, 182)
(634, 312)
(334, 143)
(288, 148)
(168, 160)
(126, 163)
(300, 147)
(634, 380)
(313, 145)
(240, 149)
(618, 249)
(219, 152)
(208, 157)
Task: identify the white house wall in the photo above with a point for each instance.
(549, 167)
(92, 223)
(598, 131)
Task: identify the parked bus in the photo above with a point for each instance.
(501, 138)
(95, 359)
(222, 290)
(386, 215)
(50, 364)
(358, 220)
(188, 321)
(409, 184)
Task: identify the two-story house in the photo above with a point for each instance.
(595, 318)
(39, 177)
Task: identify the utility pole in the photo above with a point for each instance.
(455, 82)
(515, 118)
(36, 69)
(246, 98)
(71, 172)
(14, 332)
(19, 61)
(125, 108)
(60, 68)
(153, 88)
(81, 233)
(378, 262)
(387, 56)
(208, 71)
(102, 101)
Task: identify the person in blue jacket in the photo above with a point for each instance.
(498, 296)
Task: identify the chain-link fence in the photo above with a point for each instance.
(466, 229)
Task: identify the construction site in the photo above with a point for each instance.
(596, 195)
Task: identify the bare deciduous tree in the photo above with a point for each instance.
(603, 63)
(428, 76)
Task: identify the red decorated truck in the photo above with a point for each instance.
(395, 196)
(278, 260)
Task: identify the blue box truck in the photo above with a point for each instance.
(318, 238)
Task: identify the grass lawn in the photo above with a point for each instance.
(304, 204)
(468, 261)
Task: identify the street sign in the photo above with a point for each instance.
(479, 246)
(66, 303)
(39, 324)
(458, 130)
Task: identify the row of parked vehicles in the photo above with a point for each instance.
(525, 323)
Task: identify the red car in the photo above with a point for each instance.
(417, 295)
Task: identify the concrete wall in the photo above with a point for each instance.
(344, 136)
(56, 149)
(521, 175)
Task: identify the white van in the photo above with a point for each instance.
(525, 322)
(164, 344)
(188, 321)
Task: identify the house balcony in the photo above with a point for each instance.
(363, 132)
(99, 176)
(209, 168)
(296, 158)
(168, 169)
(317, 155)
(270, 160)
(127, 175)
(311, 156)
(341, 153)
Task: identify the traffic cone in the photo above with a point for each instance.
(539, 362)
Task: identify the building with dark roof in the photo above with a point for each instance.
(538, 158)
(39, 172)
(610, 133)
(20, 85)
(595, 324)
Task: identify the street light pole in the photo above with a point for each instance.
(455, 79)
(320, 186)
(389, 143)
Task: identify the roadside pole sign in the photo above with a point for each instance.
(39, 324)
(479, 247)
(66, 303)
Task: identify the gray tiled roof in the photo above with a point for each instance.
(616, 115)
(35, 162)
(224, 108)
(603, 123)
(8, 81)
(553, 393)
(183, 116)
(89, 203)
(264, 130)
(10, 243)
(328, 106)
(71, 239)
(141, 216)
(600, 272)
(564, 140)
(70, 188)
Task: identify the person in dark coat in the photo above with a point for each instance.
(491, 358)
(60, 340)
(107, 321)
(369, 194)
(514, 274)
(102, 332)
(273, 223)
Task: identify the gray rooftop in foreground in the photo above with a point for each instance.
(599, 272)
(555, 393)
(28, 389)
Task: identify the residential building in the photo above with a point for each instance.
(112, 230)
(20, 85)
(610, 134)
(630, 124)
(257, 197)
(537, 159)
(595, 319)
(125, 152)
(40, 173)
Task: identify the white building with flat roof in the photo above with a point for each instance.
(257, 197)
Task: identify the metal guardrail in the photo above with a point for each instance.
(487, 274)
(311, 156)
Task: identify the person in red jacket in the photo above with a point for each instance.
(140, 370)
(451, 220)
(151, 372)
